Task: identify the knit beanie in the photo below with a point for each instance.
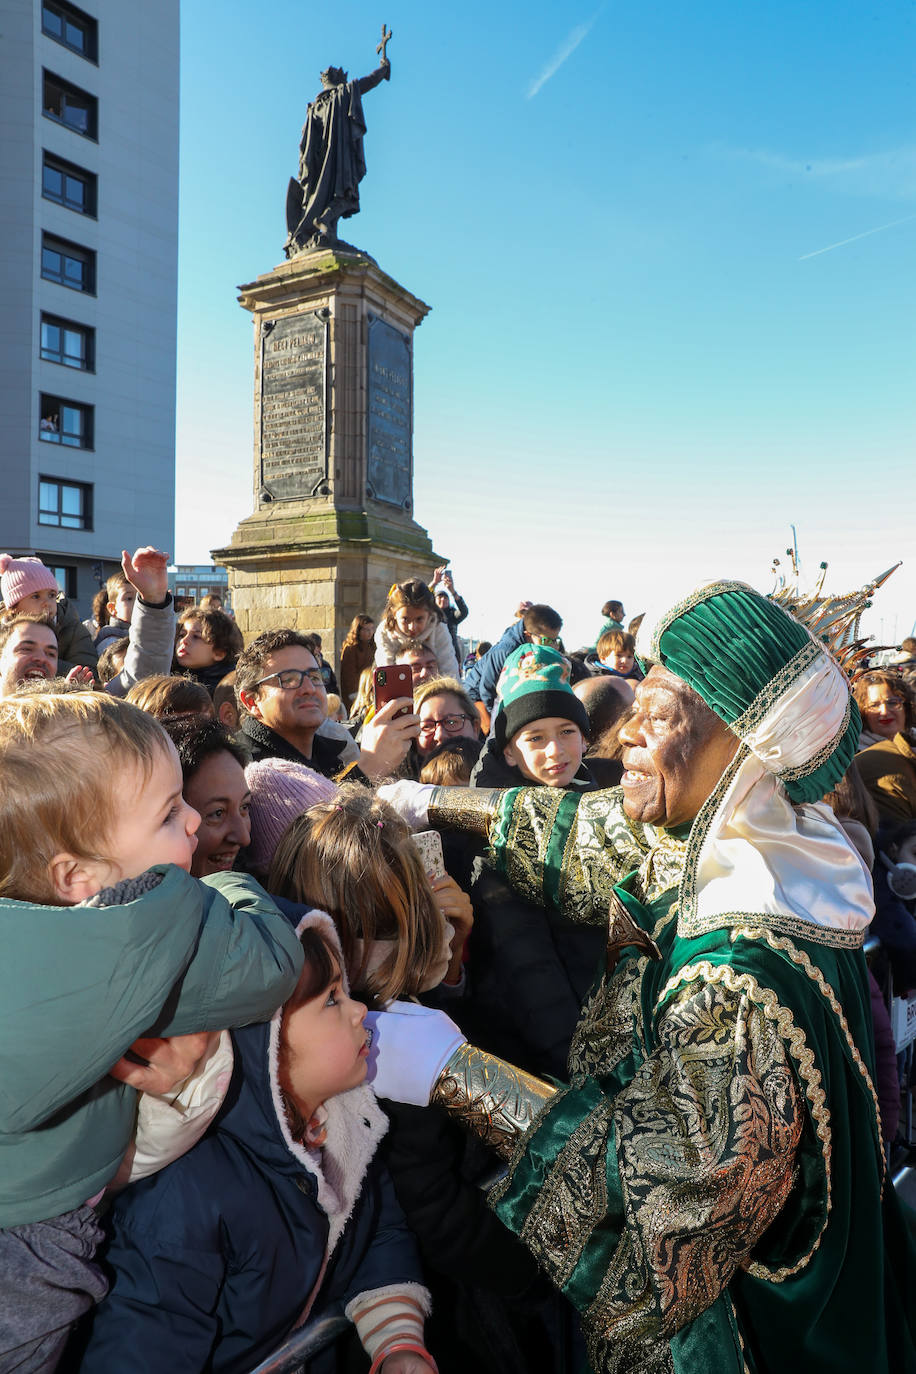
(766, 675)
(21, 577)
(535, 684)
(280, 791)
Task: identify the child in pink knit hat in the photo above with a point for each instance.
(27, 587)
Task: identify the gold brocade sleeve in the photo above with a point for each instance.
(495, 1100)
(707, 1133)
(697, 1156)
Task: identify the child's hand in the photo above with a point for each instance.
(167, 1062)
(80, 674)
(406, 1362)
(455, 905)
(148, 572)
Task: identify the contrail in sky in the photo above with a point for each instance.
(843, 242)
(565, 50)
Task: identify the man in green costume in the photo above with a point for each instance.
(709, 1187)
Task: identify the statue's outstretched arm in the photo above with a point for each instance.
(381, 73)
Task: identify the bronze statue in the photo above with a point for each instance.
(331, 161)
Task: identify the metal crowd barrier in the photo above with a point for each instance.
(303, 1344)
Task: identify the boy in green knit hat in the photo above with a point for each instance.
(541, 725)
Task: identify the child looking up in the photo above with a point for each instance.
(106, 938)
(207, 645)
(411, 613)
(282, 1210)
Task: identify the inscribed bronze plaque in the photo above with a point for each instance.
(293, 406)
(390, 421)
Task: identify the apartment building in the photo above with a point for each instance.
(89, 270)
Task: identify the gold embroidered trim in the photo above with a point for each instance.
(795, 926)
(805, 770)
(798, 956)
(698, 833)
(768, 696)
(696, 598)
(795, 1040)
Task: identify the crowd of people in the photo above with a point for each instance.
(589, 921)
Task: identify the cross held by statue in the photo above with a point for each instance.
(382, 48)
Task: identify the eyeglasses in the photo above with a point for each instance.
(545, 639)
(291, 679)
(893, 702)
(450, 724)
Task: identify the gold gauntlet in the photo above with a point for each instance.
(464, 808)
(494, 1099)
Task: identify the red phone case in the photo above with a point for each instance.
(389, 684)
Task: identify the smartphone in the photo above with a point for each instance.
(390, 684)
(429, 843)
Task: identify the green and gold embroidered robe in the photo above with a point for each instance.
(708, 1189)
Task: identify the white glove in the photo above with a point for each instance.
(410, 800)
(411, 1045)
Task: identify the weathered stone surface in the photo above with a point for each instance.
(326, 540)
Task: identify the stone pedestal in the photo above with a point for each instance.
(333, 521)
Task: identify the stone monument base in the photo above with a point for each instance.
(333, 523)
(315, 572)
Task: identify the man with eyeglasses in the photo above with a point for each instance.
(446, 713)
(280, 686)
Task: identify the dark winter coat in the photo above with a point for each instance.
(265, 743)
(211, 676)
(214, 1259)
(74, 642)
(530, 969)
(481, 678)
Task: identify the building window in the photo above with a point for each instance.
(63, 341)
(65, 422)
(68, 185)
(66, 504)
(67, 263)
(67, 104)
(70, 26)
(65, 574)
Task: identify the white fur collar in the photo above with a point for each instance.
(355, 1124)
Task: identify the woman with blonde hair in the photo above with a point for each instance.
(401, 933)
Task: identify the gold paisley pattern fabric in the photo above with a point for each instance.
(706, 1135)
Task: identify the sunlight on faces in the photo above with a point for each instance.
(217, 790)
(156, 826)
(324, 1050)
(295, 711)
(37, 603)
(193, 650)
(621, 663)
(411, 621)
(548, 751)
(885, 711)
(433, 712)
(29, 652)
(422, 663)
(675, 750)
(122, 608)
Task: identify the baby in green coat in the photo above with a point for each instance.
(106, 939)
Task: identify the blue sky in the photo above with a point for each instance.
(669, 252)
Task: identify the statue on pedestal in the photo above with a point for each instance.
(331, 161)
